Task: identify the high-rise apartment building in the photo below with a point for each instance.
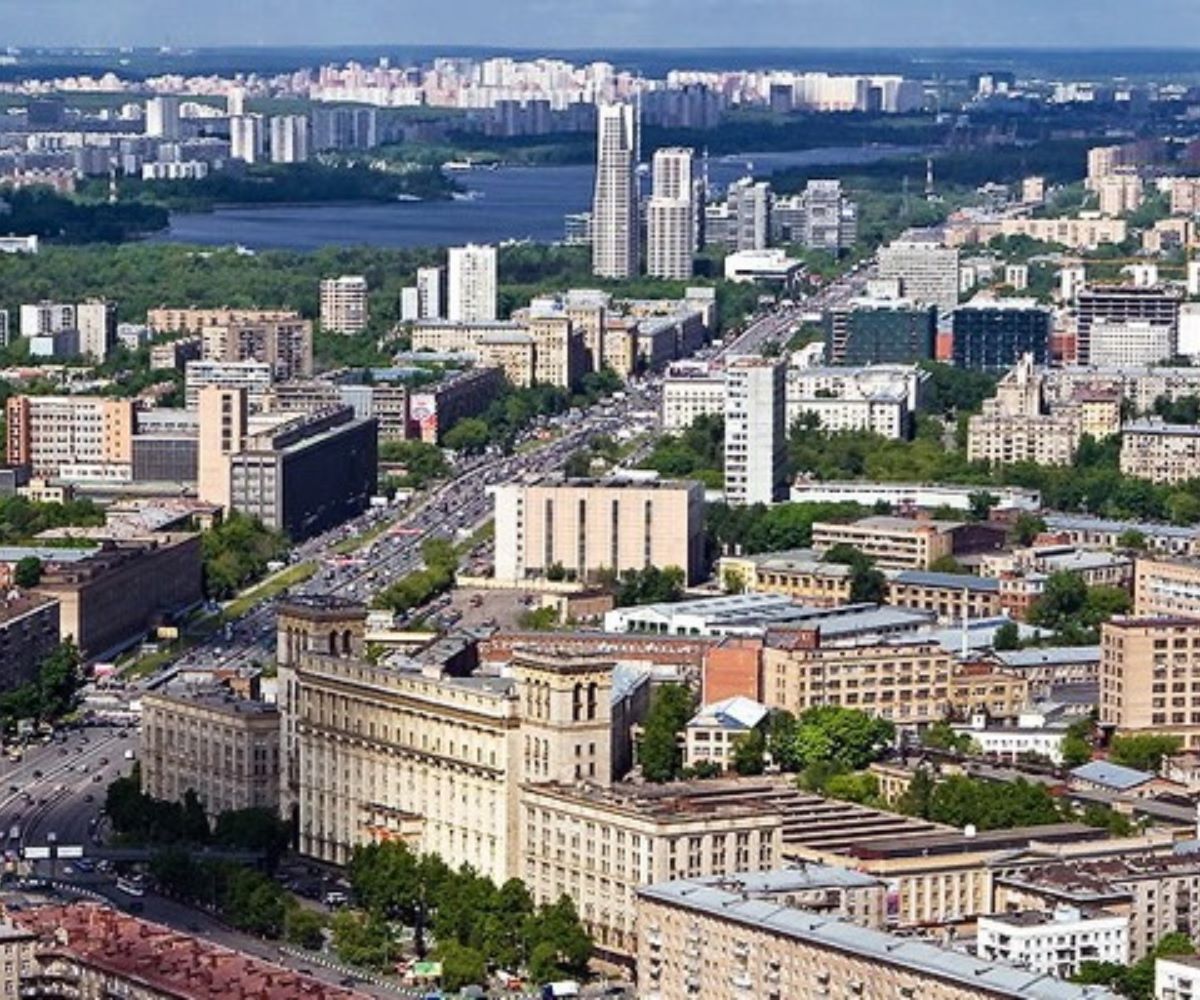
(614, 206)
(1123, 304)
(670, 216)
(344, 304)
(1150, 676)
(927, 271)
(96, 320)
(429, 293)
(223, 422)
(755, 431)
(827, 220)
(749, 204)
(283, 340)
(40, 318)
(586, 526)
(289, 139)
(162, 117)
(344, 128)
(472, 284)
(246, 138)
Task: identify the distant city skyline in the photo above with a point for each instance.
(600, 23)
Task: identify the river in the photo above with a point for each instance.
(510, 203)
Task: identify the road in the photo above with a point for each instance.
(58, 789)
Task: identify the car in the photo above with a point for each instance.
(37, 774)
(89, 797)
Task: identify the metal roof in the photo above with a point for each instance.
(871, 945)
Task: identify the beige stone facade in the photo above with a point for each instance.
(705, 941)
(1166, 587)
(1150, 676)
(1162, 453)
(224, 748)
(893, 542)
(591, 525)
(598, 846)
(1019, 425)
(909, 683)
(86, 437)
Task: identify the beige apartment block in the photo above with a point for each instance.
(704, 940)
(224, 748)
(283, 342)
(800, 575)
(893, 542)
(587, 526)
(1164, 588)
(224, 424)
(186, 320)
(1150, 676)
(412, 752)
(599, 846)
(57, 435)
(909, 684)
(1162, 453)
(513, 353)
(1020, 425)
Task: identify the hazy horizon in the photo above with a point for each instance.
(611, 24)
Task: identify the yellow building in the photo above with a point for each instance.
(224, 748)
(704, 940)
(1150, 676)
(600, 845)
(586, 526)
(892, 542)
(1166, 587)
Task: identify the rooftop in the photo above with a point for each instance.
(1051, 656)
(954, 581)
(802, 876)
(738, 712)
(1103, 772)
(886, 522)
(869, 945)
(166, 962)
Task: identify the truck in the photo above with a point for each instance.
(563, 988)
(129, 754)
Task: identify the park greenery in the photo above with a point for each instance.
(476, 924)
(1075, 611)
(1143, 751)
(21, 520)
(868, 585)
(50, 695)
(142, 820)
(759, 528)
(40, 211)
(649, 585)
(245, 898)
(697, 452)
(274, 183)
(960, 800)
(236, 553)
(419, 464)
(419, 586)
(659, 751)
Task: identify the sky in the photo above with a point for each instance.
(604, 23)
